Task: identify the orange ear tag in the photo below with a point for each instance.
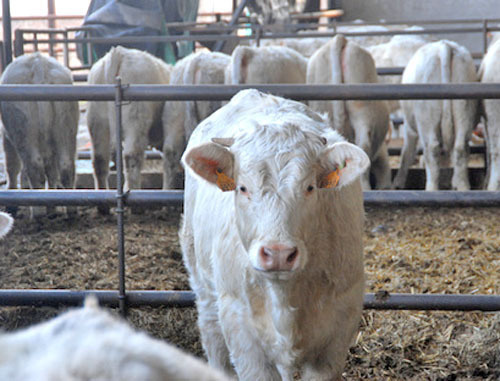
(332, 179)
(224, 182)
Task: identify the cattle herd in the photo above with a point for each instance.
(273, 213)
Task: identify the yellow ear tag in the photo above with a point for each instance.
(224, 182)
(332, 179)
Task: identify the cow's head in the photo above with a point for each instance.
(280, 181)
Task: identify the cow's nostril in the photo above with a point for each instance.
(292, 256)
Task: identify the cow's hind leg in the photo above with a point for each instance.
(53, 179)
(408, 153)
(13, 167)
(35, 171)
(99, 131)
(493, 149)
(381, 168)
(133, 157)
(432, 152)
(460, 153)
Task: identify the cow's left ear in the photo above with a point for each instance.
(213, 162)
(341, 164)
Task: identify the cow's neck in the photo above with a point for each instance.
(283, 305)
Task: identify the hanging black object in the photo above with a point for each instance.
(124, 18)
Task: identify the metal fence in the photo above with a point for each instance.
(257, 33)
(120, 93)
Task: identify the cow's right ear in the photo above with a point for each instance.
(213, 162)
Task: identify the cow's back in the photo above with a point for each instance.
(271, 64)
(56, 121)
(135, 66)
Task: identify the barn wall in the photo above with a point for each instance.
(400, 10)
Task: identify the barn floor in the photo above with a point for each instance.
(411, 250)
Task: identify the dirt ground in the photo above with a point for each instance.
(411, 250)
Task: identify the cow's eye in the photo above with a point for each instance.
(243, 189)
(310, 188)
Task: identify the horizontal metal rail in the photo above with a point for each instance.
(153, 298)
(393, 151)
(150, 155)
(226, 92)
(396, 151)
(396, 70)
(149, 198)
(232, 37)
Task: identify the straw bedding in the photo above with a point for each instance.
(411, 250)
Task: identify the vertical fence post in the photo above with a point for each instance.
(7, 31)
(66, 49)
(18, 43)
(485, 36)
(122, 297)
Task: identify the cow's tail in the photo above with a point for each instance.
(112, 69)
(336, 57)
(41, 72)
(447, 129)
(112, 65)
(239, 65)
(189, 78)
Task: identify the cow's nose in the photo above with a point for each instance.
(278, 257)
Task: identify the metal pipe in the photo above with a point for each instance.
(120, 199)
(318, 92)
(18, 43)
(7, 31)
(51, 7)
(432, 302)
(150, 198)
(135, 298)
(153, 298)
(408, 198)
(396, 70)
(396, 151)
(150, 155)
(226, 92)
(230, 37)
(485, 36)
(220, 44)
(393, 151)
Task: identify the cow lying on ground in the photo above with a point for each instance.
(181, 117)
(443, 126)
(141, 120)
(364, 123)
(489, 72)
(270, 64)
(272, 238)
(40, 137)
(91, 344)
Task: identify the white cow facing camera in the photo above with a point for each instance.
(272, 238)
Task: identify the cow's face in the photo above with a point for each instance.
(277, 179)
